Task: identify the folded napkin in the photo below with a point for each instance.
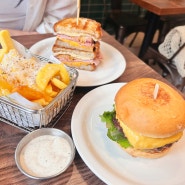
(172, 42)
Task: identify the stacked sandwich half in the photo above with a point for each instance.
(77, 45)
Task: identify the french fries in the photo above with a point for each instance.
(56, 73)
(51, 91)
(28, 92)
(5, 88)
(58, 83)
(6, 43)
(50, 78)
(63, 74)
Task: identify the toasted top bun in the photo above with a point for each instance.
(85, 27)
(158, 118)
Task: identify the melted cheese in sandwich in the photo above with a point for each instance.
(139, 141)
(78, 44)
(76, 64)
(72, 43)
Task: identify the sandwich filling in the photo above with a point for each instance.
(77, 40)
(120, 133)
(76, 61)
(139, 141)
(65, 49)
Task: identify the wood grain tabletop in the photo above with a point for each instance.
(78, 172)
(164, 7)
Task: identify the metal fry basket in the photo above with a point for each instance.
(28, 119)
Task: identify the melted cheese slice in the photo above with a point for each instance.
(72, 43)
(76, 64)
(77, 44)
(139, 141)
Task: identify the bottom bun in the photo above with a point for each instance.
(140, 153)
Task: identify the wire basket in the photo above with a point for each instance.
(29, 119)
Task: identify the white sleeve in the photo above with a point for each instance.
(56, 10)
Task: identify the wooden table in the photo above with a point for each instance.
(157, 8)
(78, 172)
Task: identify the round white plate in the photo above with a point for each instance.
(106, 159)
(112, 66)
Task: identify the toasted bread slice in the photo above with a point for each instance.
(86, 27)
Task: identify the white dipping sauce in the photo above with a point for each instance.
(45, 156)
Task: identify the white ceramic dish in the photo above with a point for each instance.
(35, 135)
(113, 64)
(106, 159)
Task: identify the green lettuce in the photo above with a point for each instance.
(112, 132)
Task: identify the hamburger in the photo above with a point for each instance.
(145, 122)
(77, 45)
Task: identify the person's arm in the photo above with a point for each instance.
(56, 10)
(18, 32)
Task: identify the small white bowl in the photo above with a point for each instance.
(53, 138)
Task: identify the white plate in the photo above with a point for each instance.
(106, 159)
(112, 66)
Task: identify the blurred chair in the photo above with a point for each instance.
(167, 66)
(125, 23)
(167, 23)
(154, 57)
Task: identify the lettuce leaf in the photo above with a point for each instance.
(113, 133)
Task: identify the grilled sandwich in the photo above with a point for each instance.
(78, 45)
